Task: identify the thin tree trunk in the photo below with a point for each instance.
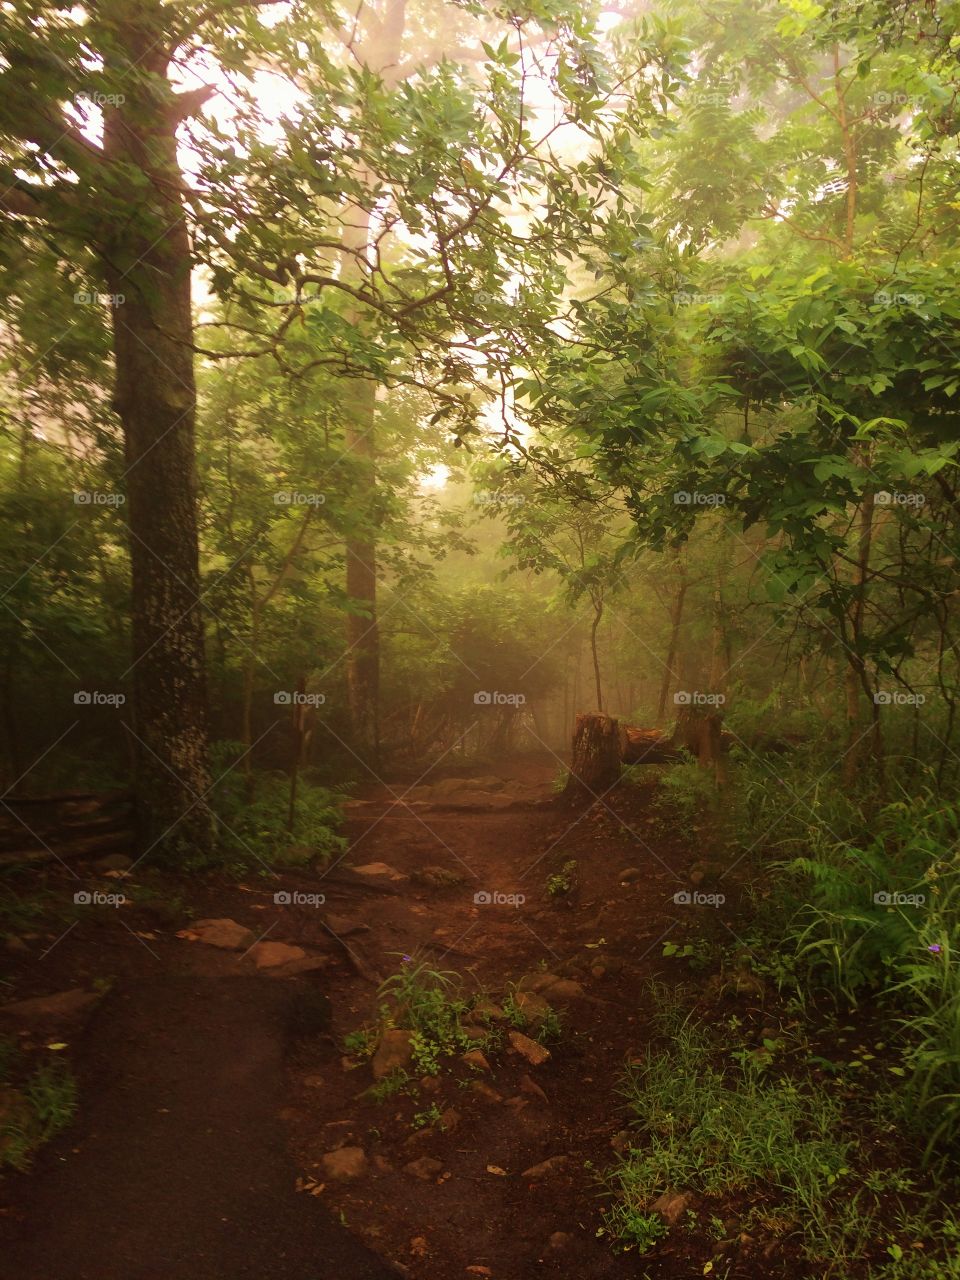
(597, 616)
(676, 618)
(856, 680)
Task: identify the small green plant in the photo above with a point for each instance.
(512, 1011)
(430, 1118)
(396, 1082)
(630, 1228)
(427, 1002)
(361, 1043)
(39, 1111)
(562, 881)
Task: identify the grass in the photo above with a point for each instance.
(796, 1162)
(38, 1110)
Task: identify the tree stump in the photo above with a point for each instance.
(699, 730)
(595, 761)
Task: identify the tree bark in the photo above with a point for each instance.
(380, 53)
(148, 264)
(676, 617)
(595, 759)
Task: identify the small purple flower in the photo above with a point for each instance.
(934, 947)
(408, 959)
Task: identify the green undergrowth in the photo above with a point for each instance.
(255, 831)
(36, 1103)
(779, 1163)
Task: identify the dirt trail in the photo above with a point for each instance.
(178, 1164)
(604, 934)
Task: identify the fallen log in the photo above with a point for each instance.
(69, 850)
(648, 746)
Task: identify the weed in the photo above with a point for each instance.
(430, 1118)
(392, 1084)
(562, 881)
(428, 1002)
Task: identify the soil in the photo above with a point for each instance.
(195, 1065)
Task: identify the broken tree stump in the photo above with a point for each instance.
(595, 762)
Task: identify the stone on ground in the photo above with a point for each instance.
(379, 871)
(344, 1164)
(547, 1168)
(60, 1007)
(226, 934)
(393, 1053)
(672, 1205)
(426, 1168)
(534, 1053)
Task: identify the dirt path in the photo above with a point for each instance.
(178, 1164)
(604, 935)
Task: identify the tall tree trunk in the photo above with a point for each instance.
(597, 617)
(148, 262)
(380, 53)
(676, 617)
(856, 680)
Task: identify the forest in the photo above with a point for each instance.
(480, 639)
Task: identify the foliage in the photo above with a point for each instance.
(44, 1105)
(789, 1150)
